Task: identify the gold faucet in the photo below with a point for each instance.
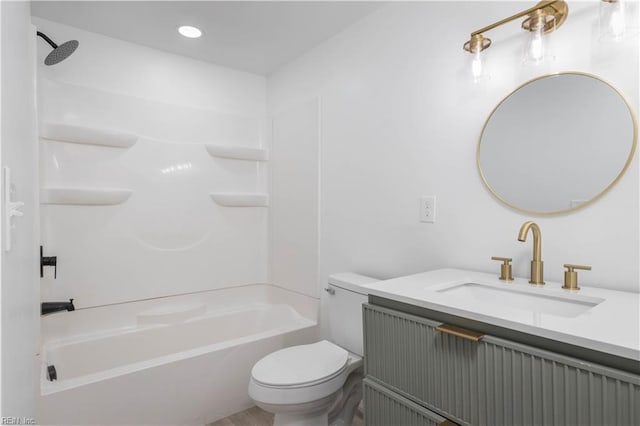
(537, 274)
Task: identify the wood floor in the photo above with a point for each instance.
(254, 416)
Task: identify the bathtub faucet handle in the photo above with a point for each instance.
(48, 261)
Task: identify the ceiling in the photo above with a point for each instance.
(253, 36)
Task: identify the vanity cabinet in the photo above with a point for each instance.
(413, 368)
(385, 408)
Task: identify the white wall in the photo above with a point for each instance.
(125, 68)
(169, 237)
(20, 287)
(294, 198)
(400, 118)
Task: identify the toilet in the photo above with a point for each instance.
(321, 383)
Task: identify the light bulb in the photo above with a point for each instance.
(476, 66)
(616, 21)
(536, 45)
(189, 31)
(612, 20)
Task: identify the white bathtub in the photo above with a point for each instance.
(178, 360)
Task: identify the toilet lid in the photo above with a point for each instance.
(298, 365)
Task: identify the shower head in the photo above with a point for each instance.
(59, 53)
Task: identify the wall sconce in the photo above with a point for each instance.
(612, 19)
(538, 24)
(475, 46)
(541, 19)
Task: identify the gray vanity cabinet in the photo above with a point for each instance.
(385, 408)
(490, 382)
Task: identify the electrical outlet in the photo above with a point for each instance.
(428, 208)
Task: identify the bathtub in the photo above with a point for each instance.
(177, 360)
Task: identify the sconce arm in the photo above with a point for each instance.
(551, 4)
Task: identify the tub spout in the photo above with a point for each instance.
(50, 307)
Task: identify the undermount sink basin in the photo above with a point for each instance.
(523, 299)
(595, 318)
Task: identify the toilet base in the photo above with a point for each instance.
(337, 409)
(314, 413)
(343, 411)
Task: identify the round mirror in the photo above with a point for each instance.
(557, 143)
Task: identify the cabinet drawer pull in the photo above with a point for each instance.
(448, 423)
(460, 332)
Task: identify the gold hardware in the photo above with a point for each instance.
(460, 332)
(505, 268)
(537, 266)
(571, 276)
(477, 43)
(448, 423)
(544, 19)
(550, 13)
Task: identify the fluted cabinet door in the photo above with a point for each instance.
(494, 381)
(386, 408)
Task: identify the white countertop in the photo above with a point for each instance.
(611, 326)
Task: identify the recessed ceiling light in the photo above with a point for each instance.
(189, 31)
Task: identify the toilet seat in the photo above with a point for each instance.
(302, 385)
(301, 366)
(302, 374)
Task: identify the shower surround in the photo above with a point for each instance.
(130, 184)
(154, 199)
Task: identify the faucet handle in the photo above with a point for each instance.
(571, 276)
(48, 261)
(505, 268)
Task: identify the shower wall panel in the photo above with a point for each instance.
(139, 222)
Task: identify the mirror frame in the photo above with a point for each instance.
(593, 199)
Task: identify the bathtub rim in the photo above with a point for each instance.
(88, 320)
(47, 387)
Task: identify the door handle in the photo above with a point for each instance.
(11, 208)
(460, 332)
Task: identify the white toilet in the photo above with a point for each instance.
(320, 383)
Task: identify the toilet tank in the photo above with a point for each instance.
(344, 305)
